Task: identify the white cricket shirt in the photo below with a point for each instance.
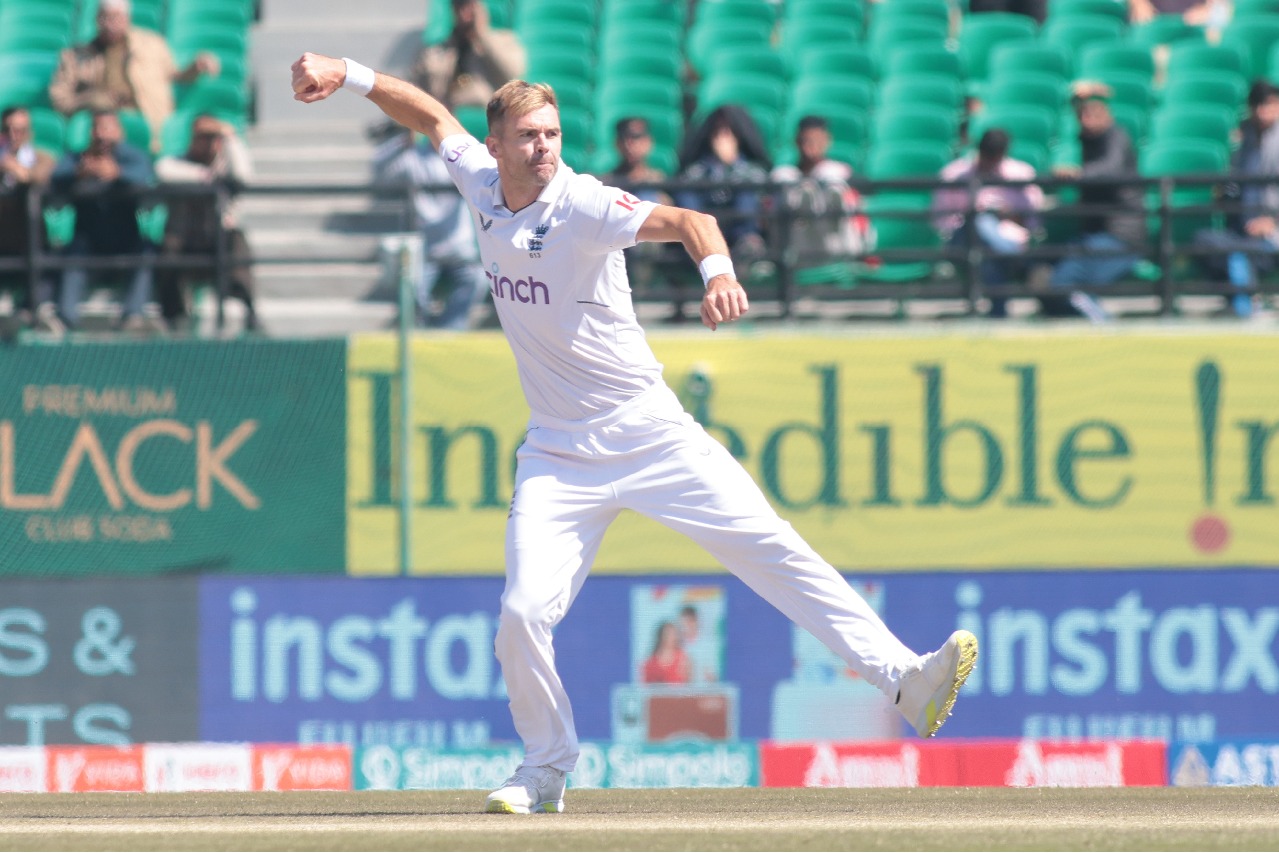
(558, 280)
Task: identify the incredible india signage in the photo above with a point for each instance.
(1068, 450)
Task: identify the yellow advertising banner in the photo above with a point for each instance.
(1070, 449)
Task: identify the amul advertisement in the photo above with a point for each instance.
(172, 456)
(1188, 656)
(1010, 450)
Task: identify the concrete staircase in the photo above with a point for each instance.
(313, 228)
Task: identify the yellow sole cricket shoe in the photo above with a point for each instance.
(927, 693)
(530, 790)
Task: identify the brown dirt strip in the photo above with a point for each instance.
(754, 819)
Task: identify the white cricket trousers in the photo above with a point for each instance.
(648, 455)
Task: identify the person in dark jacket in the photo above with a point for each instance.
(1113, 230)
(104, 182)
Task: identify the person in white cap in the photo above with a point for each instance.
(605, 432)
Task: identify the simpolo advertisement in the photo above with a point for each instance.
(192, 456)
(98, 662)
(408, 663)
(1013, 450)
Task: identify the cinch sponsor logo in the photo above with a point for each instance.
(455, 153)
(518, 290)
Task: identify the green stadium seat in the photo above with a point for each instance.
(1023, 122)
(1248, 8)
(763, 97)
(1029, 89)
(899, 32)
(665, 125)
(913, 124)
(1100, 61)
(1018, 58)
(921, 59)
(188, 20)
(1163, 29)
(1169, 158)
(1130, 90)
(843, 11)
(849, 61)
(628, 13)
(1135, 120)
(744, 34)
(474, 119)
(80, 127)
(732, 59)
(30, 15)
(571, 92)
(26, 78)
(1034, 154)
(1189, 56)
(636, 90)
(49, 130)
(932, 89)
(221, 41)
(570, 12)
(934, 12)
(1205, 87)
(559, 65)
(801, 36)
(660, 38)
(900, 221)
(1194, 121)
(564, 35)
(1255, 36)
(716, 13)
(639, 61)
(20, 35)
(981, 34)
(1074, 34)
(213, 95)
(823, 92)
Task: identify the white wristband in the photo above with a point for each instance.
(713, 265)
(359, 78)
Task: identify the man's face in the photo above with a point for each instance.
(206, 139)
(1095, 117)
(635, 144)
(106, 134)
(17, 128)
(464, 15)
(527, 148)
(113, 24)
(1267, 112)
(813, 143)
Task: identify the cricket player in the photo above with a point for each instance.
(605, 433)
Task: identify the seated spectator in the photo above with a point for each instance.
(1111, 238)
(23, 167)
(1200, 13)
(1246, 248)
(215, 156)
(104, 182)
(1002, 219)
(826, 224)
(473, 62)
(123, 68)
(728, 150)
(634, 144)
(451, 260)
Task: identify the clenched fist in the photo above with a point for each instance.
(315, 77)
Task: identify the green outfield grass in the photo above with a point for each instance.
(755, 819)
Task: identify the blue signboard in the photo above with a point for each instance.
(1186, 655)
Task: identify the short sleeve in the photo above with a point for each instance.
(605, 217)
(469, 163)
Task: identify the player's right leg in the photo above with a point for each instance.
(557, 521)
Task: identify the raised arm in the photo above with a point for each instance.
(725, 298)
(316, 77)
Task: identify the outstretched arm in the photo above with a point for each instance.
(725, 298)
(316, 77)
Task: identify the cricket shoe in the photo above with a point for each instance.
(927, 691)
(529, 790)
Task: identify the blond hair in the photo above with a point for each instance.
(518, 98)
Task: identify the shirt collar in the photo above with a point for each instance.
(549, 194)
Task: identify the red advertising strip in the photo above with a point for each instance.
(81, 769)
(286, 767)
(1001, 763)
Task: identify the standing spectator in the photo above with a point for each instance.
(1111, 236)
(23, 167)
(215, 157)
(468, 67)
(728, 150)
(104, 182)
(825, 224)
(123, 68)
(1002, 218)
(451, 256)
(1246, 247)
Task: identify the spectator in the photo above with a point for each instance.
(468, 67)
(23, 167)
(634, 144)
(1200, 13)
(825, 223)
(451, 256)
(1037, 9)
(1112, 235)
(215, 157)
(1003, 218)
(1246, 248)
(104, 182)
(728, 150)
(123, 68)
(668, 664)
(702, 650)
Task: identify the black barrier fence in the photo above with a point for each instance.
(903, 257)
